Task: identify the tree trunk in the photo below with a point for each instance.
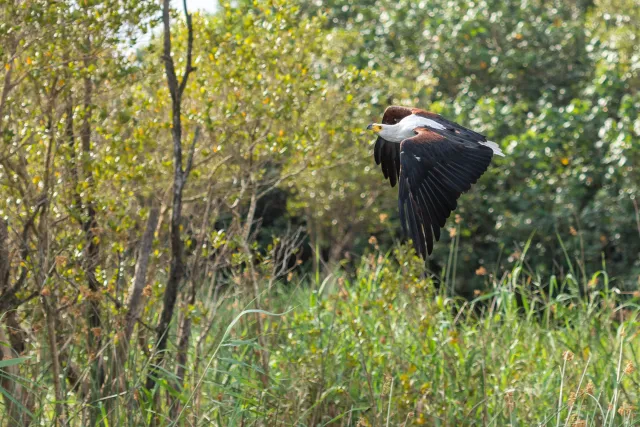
(92, 247)
(180, 174)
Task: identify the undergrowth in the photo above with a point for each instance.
(384, 347)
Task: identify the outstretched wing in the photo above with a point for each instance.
(436, 168)
(388, 153)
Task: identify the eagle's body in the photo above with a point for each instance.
(435, 161)
(405, 128)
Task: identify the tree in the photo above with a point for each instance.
(180, 175)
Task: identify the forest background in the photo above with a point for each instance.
(190, 212)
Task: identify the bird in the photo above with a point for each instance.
(434, 161)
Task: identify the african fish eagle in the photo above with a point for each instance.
(434, 160)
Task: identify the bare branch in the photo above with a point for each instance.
(140, 275)
(280, 179)
(4, 255)
(8, 299)
(172, 80)
(281, 254)
(189, 67)
(192, 150)
(6, 87)
(51, 319)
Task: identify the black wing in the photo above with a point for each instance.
(388, 153)
(435, 171)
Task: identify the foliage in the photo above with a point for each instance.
(383, 346)
(481, 46)
(284, 203)
(556, 86)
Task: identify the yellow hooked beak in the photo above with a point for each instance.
(375, 128)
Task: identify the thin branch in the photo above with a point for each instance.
(192, 150)
(635, 205)
(134, 305)
(8, 299)
(280, 179)
(172, 80)
(189, 67)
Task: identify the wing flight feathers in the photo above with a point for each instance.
(433, 168)
(434, 172)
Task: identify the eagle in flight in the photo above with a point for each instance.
(434, 160)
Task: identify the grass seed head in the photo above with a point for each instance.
(572, 398)
(567, 356)
(626, 410)
(147, 291)
(509, 401)
(386, 387)
(629, 368)
(590, 388)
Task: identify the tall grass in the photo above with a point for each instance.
(383, 347)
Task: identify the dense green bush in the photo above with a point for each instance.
(555, 84)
